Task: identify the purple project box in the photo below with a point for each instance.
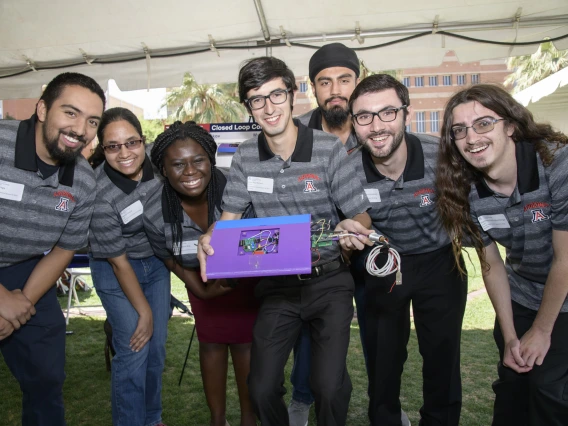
(268, 246)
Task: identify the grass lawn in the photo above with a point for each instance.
(87, 388)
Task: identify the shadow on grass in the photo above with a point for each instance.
(87, 388)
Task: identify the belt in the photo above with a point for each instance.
(321, 270)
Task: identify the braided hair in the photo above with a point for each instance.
(183, 131)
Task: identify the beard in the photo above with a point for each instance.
(385, 152)
(62, 156)
(336, 116)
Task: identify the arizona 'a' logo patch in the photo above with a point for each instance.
(309, 186)
(63, 205)
(538, 215)
(425, 200)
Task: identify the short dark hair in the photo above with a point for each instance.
(109, 116)
(378, 83)
(255, 72)
(55, 87)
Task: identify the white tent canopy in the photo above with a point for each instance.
(548, 100)
(39, 39)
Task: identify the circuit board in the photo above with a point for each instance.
(259, 241)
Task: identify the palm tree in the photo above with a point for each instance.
(205, 103)
(530, 69)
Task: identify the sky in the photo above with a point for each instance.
(149, 100)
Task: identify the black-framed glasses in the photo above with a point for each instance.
(113, 148)
(480, 127)
(277, 97)
(385, 115)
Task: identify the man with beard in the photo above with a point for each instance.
(397, 171)
(47, 191)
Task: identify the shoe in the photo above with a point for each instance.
(404, 418)
(298, 413)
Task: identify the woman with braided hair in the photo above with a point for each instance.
(174, 218)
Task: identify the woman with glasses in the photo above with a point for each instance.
(132, 283)
(174, 218)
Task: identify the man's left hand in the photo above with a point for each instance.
(534, 346)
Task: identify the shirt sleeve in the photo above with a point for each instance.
(346, 189)
(236, 197)
(558, 186)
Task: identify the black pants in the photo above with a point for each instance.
(35, 354)
(539, 397)
(326, 304)
(438, 294)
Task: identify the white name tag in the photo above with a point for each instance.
(189, 247)
(373, 195)
(258, 184)
(11, 191)
(493, 221)
(131, 212)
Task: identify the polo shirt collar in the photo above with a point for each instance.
(126, 184)
(302, 151)
(413, 170)
(527, 171)
(25, 152)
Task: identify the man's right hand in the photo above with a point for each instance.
(512, 357)
(15, 307)
(6, 328)
(204, 249)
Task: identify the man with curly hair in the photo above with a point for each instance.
(502, 178)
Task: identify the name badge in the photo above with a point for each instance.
(189, 247)
(131, 212)
(373, 195)
(258, 184)
(11, 191)
(491, 221)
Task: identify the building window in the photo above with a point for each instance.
(434, 121)
(406, 81)
(433, 80)
(419, 81)
(420, 122)
(303, 87)
(461, 80)
(447, 80)
(474, 78)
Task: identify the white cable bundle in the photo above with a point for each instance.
(392, 264)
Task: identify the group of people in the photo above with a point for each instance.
(493, 176)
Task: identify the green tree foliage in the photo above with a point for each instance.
(152, 128)
(530, 69)
(205, 103)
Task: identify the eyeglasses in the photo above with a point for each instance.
(113, 148)
(480, 127)
(386, 115)
(277, 97)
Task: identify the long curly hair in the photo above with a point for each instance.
(184, 131)
(455, 176)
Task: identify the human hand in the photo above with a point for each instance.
(143, 332)
(512, 358)
(534, 346)
(216, 288)
(352, 242)
(6, 328)
(204, 249)
(16, 308)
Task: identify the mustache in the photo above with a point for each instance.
(74, 136)
(333, 98)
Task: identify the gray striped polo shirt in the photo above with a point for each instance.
(312, 119)
(117, 226)
(404, 210)
(523, 223)
(157, 223)
(38, 214)
(316, 179)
